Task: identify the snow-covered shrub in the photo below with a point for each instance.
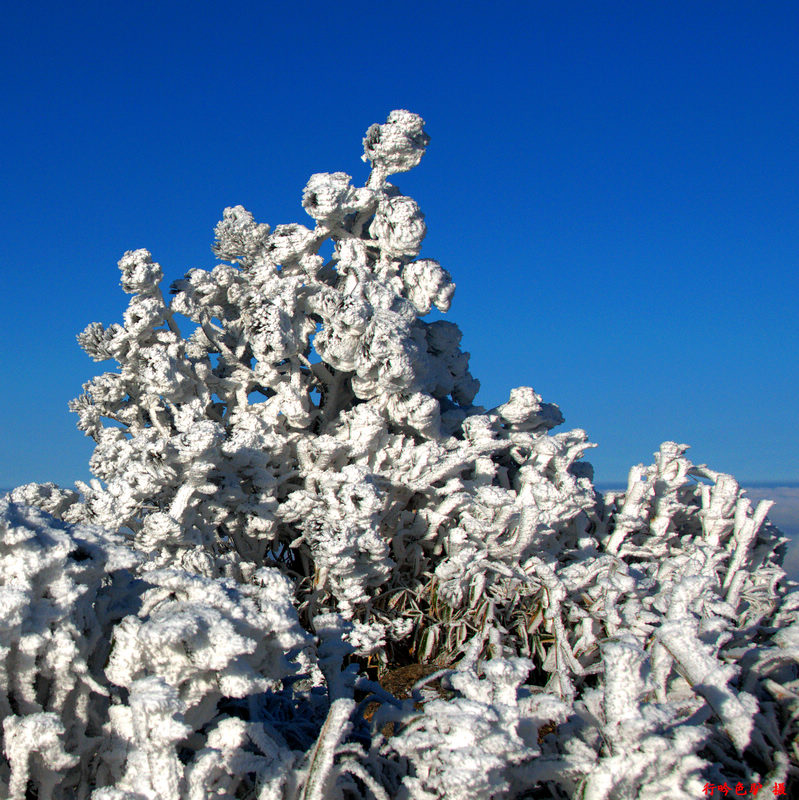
(303, 415)
(62, 589)
(653, 646)
(295, 493)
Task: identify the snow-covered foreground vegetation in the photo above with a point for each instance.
(311, 567)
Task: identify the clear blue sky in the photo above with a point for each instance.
(614, 187)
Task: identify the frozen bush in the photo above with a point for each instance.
(295, 493)
(62, 588)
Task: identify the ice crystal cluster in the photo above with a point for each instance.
(297, 498)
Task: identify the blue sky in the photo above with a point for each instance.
(613, 186)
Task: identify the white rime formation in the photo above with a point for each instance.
(295, 495)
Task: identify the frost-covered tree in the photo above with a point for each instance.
(288, 412)
(295, 494)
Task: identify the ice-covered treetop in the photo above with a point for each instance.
(309, 410)
(358, 311)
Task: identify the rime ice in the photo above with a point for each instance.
(293, 480)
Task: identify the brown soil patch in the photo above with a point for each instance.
(400, 680)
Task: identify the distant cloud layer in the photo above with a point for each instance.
(785, 515)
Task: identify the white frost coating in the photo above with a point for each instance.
(704, 672)
(152, 727)
(467, 747)
(208, 639)
(62, 587)
(239, 238)
(295, 496)
(396, 146)
(38, 738)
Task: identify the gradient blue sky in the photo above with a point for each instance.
(613, 186)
